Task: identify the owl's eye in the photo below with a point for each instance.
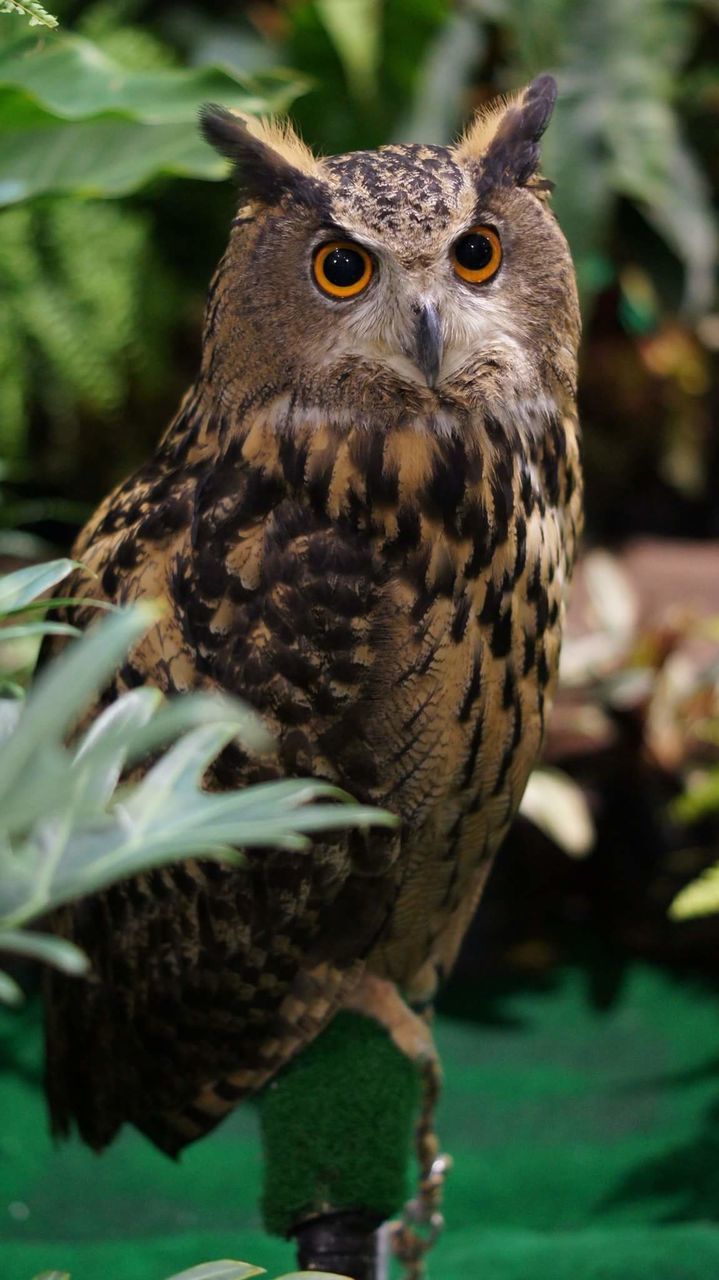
(342, 269)
(477, 255)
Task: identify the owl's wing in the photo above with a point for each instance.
(205, 979)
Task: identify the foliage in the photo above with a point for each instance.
(69, 825)
(698, 802)
(364, 70)
(702, 799)
(89, 306)
(86, 314)
(30, 9)
(223, 1270)
(226, 1270)
(700, 898)
(77, 120)
(616, 132)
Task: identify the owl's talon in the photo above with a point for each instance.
(409, 1243)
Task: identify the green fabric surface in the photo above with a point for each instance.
(586, 1145)
(316, 1118)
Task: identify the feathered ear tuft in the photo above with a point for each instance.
(504, 140)
(269, 159)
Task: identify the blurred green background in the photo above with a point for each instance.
(112, 216)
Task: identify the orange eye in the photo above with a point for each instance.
(342, 269)
(477, 255)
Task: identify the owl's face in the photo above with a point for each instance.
(423, 274)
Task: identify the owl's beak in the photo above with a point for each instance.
(428, 342)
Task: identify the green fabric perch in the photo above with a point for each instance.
(337, 1126)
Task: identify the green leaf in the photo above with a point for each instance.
(19, 589)
(681, 211)
(26, 630)
(10, 992)
(43, 946)
(65, 602)
(73, 79)
(72, 119)
(441, 88)
(700, 898)
(354, 27)
(100, 158)
(312, 1275)
(700, 800)
(223, 1270)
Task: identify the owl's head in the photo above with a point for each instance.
(412, 279)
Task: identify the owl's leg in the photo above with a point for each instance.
(379, 999)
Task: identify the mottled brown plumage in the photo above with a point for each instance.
(378, 565)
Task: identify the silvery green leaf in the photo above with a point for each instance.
(63, 690)
(312, 1275)
(26, 630)
(102, 754)
(58, 952)
(19, 588)
(69, 602)
(10, 709)
(69, 829)
(182, 767)
(225, 1269)
(94, 858)
(203, 825)
(276, 800)
(43, 788)
(193, 710)
(128, 731)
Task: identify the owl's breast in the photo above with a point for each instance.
(472, 665)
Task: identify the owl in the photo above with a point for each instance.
(362, 521)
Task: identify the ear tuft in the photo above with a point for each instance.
(504, 140)
(268, 156)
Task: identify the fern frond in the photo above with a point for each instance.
(30, 9)
(86, 315)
